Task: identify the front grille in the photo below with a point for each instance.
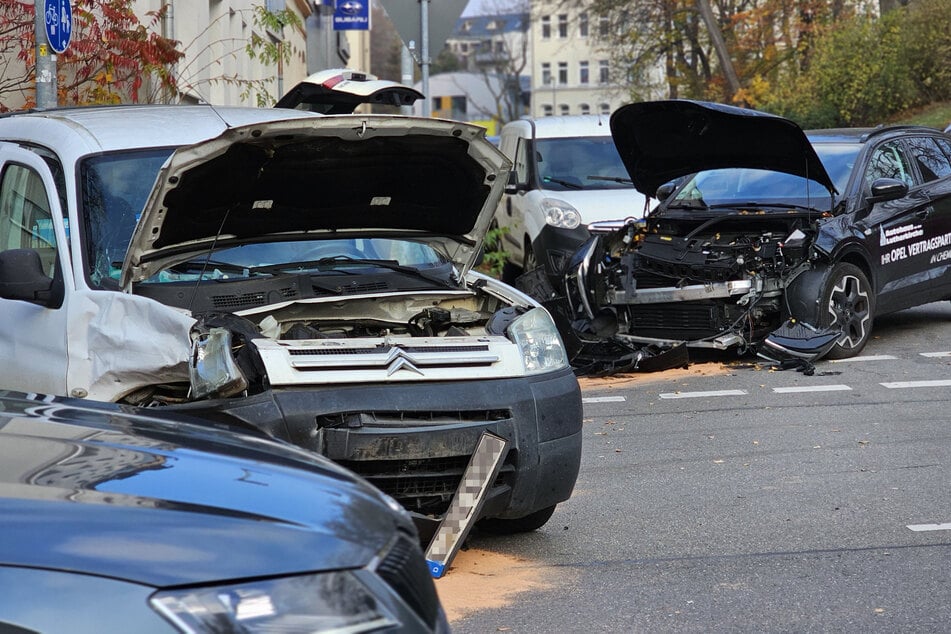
(423, 486)
(404, 569)
(384, 348)
(404, 418)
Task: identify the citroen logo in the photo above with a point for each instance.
(398, 360)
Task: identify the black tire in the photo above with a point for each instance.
(848, 301)
(533, 521)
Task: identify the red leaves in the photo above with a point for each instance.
(111, 52)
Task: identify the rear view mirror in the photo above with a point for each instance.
(22, 278)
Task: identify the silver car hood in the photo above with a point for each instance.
(341, 176)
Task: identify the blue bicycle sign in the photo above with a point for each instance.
(59, 24)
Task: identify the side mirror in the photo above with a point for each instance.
(664, 191)
(884, 189)
(513, 186)
(22, 278)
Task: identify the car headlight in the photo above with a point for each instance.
(328, 602)
(539, 341)
(560, 214)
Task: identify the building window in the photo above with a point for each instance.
(546, 73)
(563, 73)
(585, 108)
(603, 26)
(546, 27)
(546, 110)
(499, 47)
(605, 108)
(563, 25)
(563, 109)
(604, 74)
(583, 73)
(583, 25)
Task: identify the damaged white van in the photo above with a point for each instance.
(310, 277)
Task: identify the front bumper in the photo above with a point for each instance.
(413, 441)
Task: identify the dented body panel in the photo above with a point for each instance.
(297, 275)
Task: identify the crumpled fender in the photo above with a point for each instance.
(804, 294)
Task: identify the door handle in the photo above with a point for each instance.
(924, 213)
(508, 206)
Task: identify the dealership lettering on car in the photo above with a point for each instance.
(916, 248)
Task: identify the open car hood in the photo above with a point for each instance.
(660, 141)
(341, 90)
(429, 180)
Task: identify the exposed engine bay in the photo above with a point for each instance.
(355, 325)
(714, 281)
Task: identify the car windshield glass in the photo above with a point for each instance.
(331, 257)
(113, 191)
(838, 159)
(580, 163)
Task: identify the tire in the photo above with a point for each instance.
(530, 522)
(848, 301)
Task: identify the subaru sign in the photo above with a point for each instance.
(59, 23)
(352, 15)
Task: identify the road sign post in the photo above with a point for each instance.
(53, 26)
(424, 23)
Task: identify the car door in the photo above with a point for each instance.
(33, 337)
(896, 226)
(932, 159)
(513, 206)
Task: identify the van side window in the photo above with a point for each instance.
(25, 218)
(522, 164)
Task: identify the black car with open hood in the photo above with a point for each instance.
(761, 228)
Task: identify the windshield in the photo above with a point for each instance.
(113, 190)
(315, 257)
(743, 186)
(580, 163)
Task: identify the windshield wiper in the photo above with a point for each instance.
(204, 266)
(343, 260)
(760, 205)
(563, 183)
(613, 179)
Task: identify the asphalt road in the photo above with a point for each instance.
(732, 498)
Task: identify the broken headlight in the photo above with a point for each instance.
(539, 342)
(212, 370)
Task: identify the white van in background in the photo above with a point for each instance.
(566, 174)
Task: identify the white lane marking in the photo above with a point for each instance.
(812, 388)
(930, 527)
(904, 384)
(703, 394)
(936, 354)
(604, 399)
(871, 357)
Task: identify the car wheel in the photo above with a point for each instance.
(848, 303)
(533, 521)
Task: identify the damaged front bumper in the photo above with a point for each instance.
(413, 441)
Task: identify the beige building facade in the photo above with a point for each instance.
(571, 71)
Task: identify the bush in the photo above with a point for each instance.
(866, 69)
